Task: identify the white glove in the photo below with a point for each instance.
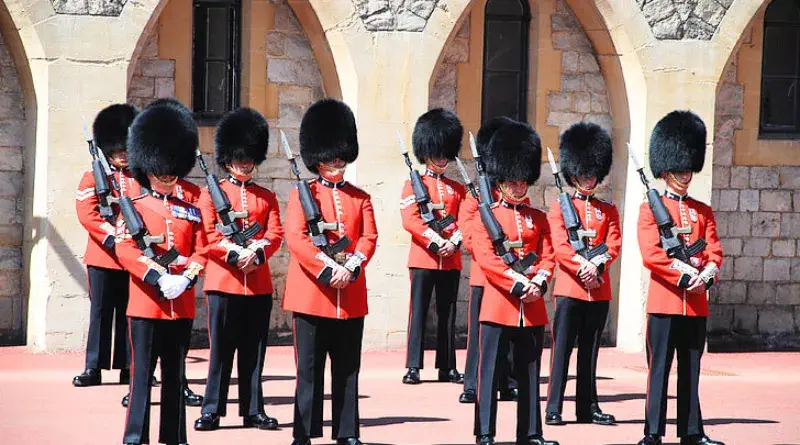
(180, 261)
(172, 286)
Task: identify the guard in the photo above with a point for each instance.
(434, 260)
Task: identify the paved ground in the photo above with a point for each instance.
(746, 398)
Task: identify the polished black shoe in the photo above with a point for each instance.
(553, 419)
(260, 421)
(304, 441)
(650, 439)
(699, 439)
(508, 395)
(412, 377)
(124, 376)
(536, 440)
(452, 376)
(484, 440)
(468, 396)
(90, 377)
(599, 418)
(207, 422)
(125, 400)
(348, 441)
(190, 398)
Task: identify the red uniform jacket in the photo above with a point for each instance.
(184, 190)
(594, 214)
(181, 226)
(100, 249)
(309, 271)
(501, 302)
(441, 190)
(664, 296)
(261, 205)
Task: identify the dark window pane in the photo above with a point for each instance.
(781, 50)
(217, 34)
(216, 86)
(505, 7)
(778, 104)
(786, 11)
(502, 97)
(503, 45)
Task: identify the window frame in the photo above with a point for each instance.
(524, 72)
(234, 61)
(764, 132)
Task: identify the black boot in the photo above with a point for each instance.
(89, 377)
(484, 440)
(302, 441)
(125, 400)
(260, 421)
(207, 422)
(536, 440)
(598, 417)
(508, 395)
(650, 439)
(553, 419)
(124, 376)
(468, 396)
(412, 377)
(452, 376)
(348, 441)
(190, 398)
(699, 439)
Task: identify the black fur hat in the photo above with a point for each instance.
(437, 134)
(516, 154)
(486, 132)
(110, 127)
(162, 140)
(242, 134)
(585, 151)
(328, 131)
(678, 143)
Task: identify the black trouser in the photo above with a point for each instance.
(314, 339)
(582, 322)
(108, 294)
(151, 339)
(667, 334)
(237, 323)
(527, 345)
(423, 283)
(506, 380)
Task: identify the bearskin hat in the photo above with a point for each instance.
(242, 134)
(516, 154)
(437, 134)
(585, 151)
(110, 127)
(486, 132)
(327, 132)
(678, 143)
(162, 141)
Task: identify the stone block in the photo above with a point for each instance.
(600, 103)
(796, 267)
(157, 68)
(142, 87)
(790, 225)
(165, 87)
(293, 72)
(447, 76)
(595, 83)
(732, 246)
(11, 158)
(728, 200)
(11, 183)
(783, 247)
(788, 294)
(720, 318)
(457, 51)
(775, 320)
(569, 62)
(723, 151)
(443, 97)
(11, 234)
(726, 270)
(8, 210)
(764, 178)
(588, 63)
(12, 132)
(715, 200)
(748, 269)
(731, 99)
(276, 44)
(745, 319)
(6, 314)
(739, 224)
(723, 220)
(11, 106)
(748, 200)
(10, 283)
(285, 20)
(562, 119)
(727, 124)
(776, 201)
(571, 82)
(720, 176)
(766, 224)
(761, 293)
(789, 177)
(796, 201)
(571, 41)
(565, 22)
(740, 177)
(558, 101)
(583, 102)
(298, 47)
(756, 247)
(282, 188)
(290, 115)
(776, 269)
(732, 292)
(150, 49)
(603, 120)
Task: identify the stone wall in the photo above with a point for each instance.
(684, 20)
(12, 141)
(153, 78)
(757, 302)
(443, 94)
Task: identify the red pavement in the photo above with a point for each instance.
(746, 399)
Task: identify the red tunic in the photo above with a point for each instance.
(261, 205)
(594, 214)
(180, 224)
(184, 190)
(664, 296)
(100, 231)
(351, 208)
(441, 190)
(500, 303)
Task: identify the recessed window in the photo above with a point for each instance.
(780, 73)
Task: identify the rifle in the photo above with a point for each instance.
(423, 199)
(101, 171)
(502, 246)
(670, 241)
(484, 183)
(316, 225)
(225, 212)
(575, 230)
